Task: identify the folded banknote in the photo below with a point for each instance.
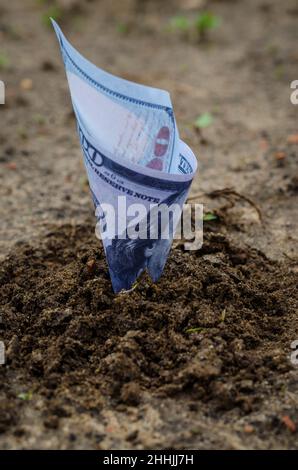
(134, 159)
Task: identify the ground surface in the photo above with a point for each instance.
(201, 359)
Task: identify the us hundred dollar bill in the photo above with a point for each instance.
(133, 155)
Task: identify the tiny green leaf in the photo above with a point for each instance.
(195, 330)
(204, 120)
(209, 217)
(180, 23)
(122, 28)
(206, 21)
(4, 62)
(25, 396)
(223, 315)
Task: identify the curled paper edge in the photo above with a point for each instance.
(181, 147)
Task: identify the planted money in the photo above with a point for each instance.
(131, 150)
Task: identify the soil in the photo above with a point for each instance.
(200, 359)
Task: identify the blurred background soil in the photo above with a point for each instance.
(201, 359)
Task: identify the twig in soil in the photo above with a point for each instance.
(294, 260)
(229, 194)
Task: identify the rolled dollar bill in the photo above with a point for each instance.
(137, 166)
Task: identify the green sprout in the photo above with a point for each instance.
(204, 120)
(197, 28)
(195, 330)
(209, 217)
(122, 28)
(4, 62)
(180, 23)
(25, 396)
(205, 22)
(39, 119)
(223, 315)
(134, 286)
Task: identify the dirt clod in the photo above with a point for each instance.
(70, 334)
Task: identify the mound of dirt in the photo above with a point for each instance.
(215, 328)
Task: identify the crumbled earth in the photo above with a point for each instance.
(214, 332)
(200, 359)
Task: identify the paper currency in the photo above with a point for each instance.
(133, 155)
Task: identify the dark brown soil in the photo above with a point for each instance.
(210, 332)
